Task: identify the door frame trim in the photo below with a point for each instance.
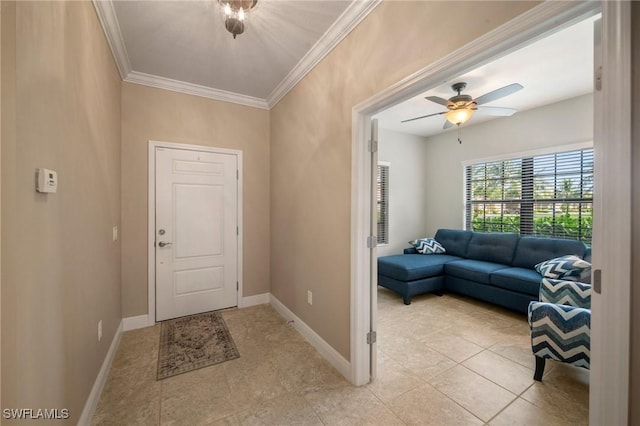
(151, 216)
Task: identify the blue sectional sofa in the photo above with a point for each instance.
(494, 267)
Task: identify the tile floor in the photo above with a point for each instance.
(441, 361)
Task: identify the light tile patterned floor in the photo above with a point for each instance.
(441, 361)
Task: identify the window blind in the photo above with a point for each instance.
(382, 196)
(544, 195)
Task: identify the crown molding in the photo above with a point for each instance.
(107, 16)
(350, 18)
(194, 89)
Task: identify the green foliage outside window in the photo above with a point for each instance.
(562, 226)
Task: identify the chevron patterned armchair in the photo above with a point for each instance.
(560, 324)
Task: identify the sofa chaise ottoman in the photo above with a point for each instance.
(495, 267)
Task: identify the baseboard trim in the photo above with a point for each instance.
(134, 323)
(335, 359)
(141, 321)
(94, 397)
(258, 299)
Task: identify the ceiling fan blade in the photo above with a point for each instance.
(496, 111)
(424, 116)
(438, 100)
(447, 124)
(499, 93)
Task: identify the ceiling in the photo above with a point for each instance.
(184, 46)
(552, 69)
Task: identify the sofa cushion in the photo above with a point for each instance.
(473, 270)
(454, 241)
(568, 268)
(496, 247)
(409, 267)
(532, 250)
(520, 280)
(429, 246)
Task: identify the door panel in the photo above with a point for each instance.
(197, 280)
(196, 232)
(199, 225)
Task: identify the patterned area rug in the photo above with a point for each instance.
(193, 342)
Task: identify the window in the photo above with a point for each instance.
(543, 195)
(382, 197)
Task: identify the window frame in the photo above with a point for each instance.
(467, 207)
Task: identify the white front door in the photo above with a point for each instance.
(196, 232)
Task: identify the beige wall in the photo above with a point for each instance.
(61, 274)
(311, 146)
(634, 394)
(160, 115)
(0, 206)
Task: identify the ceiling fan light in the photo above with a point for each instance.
(459, 116)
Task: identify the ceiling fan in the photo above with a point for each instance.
(461, 107)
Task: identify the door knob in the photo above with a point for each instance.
(163, 244)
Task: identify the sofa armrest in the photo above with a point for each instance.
(560, 332)
(411, 250)
(562, 292)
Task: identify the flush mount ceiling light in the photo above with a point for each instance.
(235, 13)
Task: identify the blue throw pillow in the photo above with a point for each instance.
(429, 246)
(563, 268)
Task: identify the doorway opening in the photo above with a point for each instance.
(543, 20)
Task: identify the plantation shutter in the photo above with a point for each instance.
(544, 195)
(383, 203)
